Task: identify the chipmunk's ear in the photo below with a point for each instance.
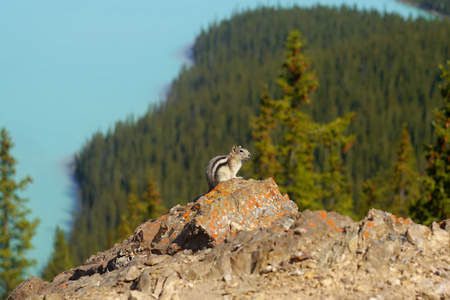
(234, 147)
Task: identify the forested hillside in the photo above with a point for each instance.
(384, 68)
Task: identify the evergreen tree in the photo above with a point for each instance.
(282, 132)
(405, 183)
(60, 259)
(396, 188)
(265, 163)
(152, 197)
(372, 196)
(337, 194)
(435, 205)
(15, 230)
(140, 209)
(135, 213)
(286, 138)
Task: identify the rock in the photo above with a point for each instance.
(245, 240)
(439, 235)
(300, 256)
(417, 233)
(31, 286)
(445, 225)
(137, 295)
(169, 287)
(443, 289)
(249, 204)
(145, 283)
(129, 274)
(53, 297)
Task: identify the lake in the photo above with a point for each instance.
(69, 69)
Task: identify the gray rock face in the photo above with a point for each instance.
(234, 246)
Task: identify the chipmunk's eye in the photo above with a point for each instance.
(242, 151)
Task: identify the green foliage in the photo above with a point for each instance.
(286, 139)
(435, 205)
(337, 194)
(60, 260)
(396, 188)
(405, 185)
(379, 66)
(372, 195)
(140, 209)
(15, 230)
(152, 197)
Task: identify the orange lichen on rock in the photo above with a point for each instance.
(365, 234)
(329, 222)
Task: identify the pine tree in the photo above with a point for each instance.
(265, 162)
(140, 209)
(282, 132)
(15, 230)
(152, 197)
(435, 204)
(372, 196)
(286, 138)
(60, 259)
(336, 188)
(405, 183)
(136, 212)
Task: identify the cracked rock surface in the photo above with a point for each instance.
(244, 240)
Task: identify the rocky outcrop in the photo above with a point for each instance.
(246, 240)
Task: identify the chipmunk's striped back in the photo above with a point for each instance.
(225, 167)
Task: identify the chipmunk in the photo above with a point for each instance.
(225, 167)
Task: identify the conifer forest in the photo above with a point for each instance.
(374, 83)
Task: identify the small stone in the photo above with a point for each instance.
(169, 287)
(371, 270)
(129, 274)
(137, 295)
(311, 265)
(347, 280)
(440, 235)
(358, 288)
(53, 296)
(443, 289)
(417, 233)
(394, 282)
(287, 223)
(309, 275)
(300, 256)
(297, 272)
(145, 283)
(406, 283)
(353, 244)
(227, 278)
(156, 259)
(159, 287)
(268, 269)
(326, 282)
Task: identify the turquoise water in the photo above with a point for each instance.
(71, 68)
